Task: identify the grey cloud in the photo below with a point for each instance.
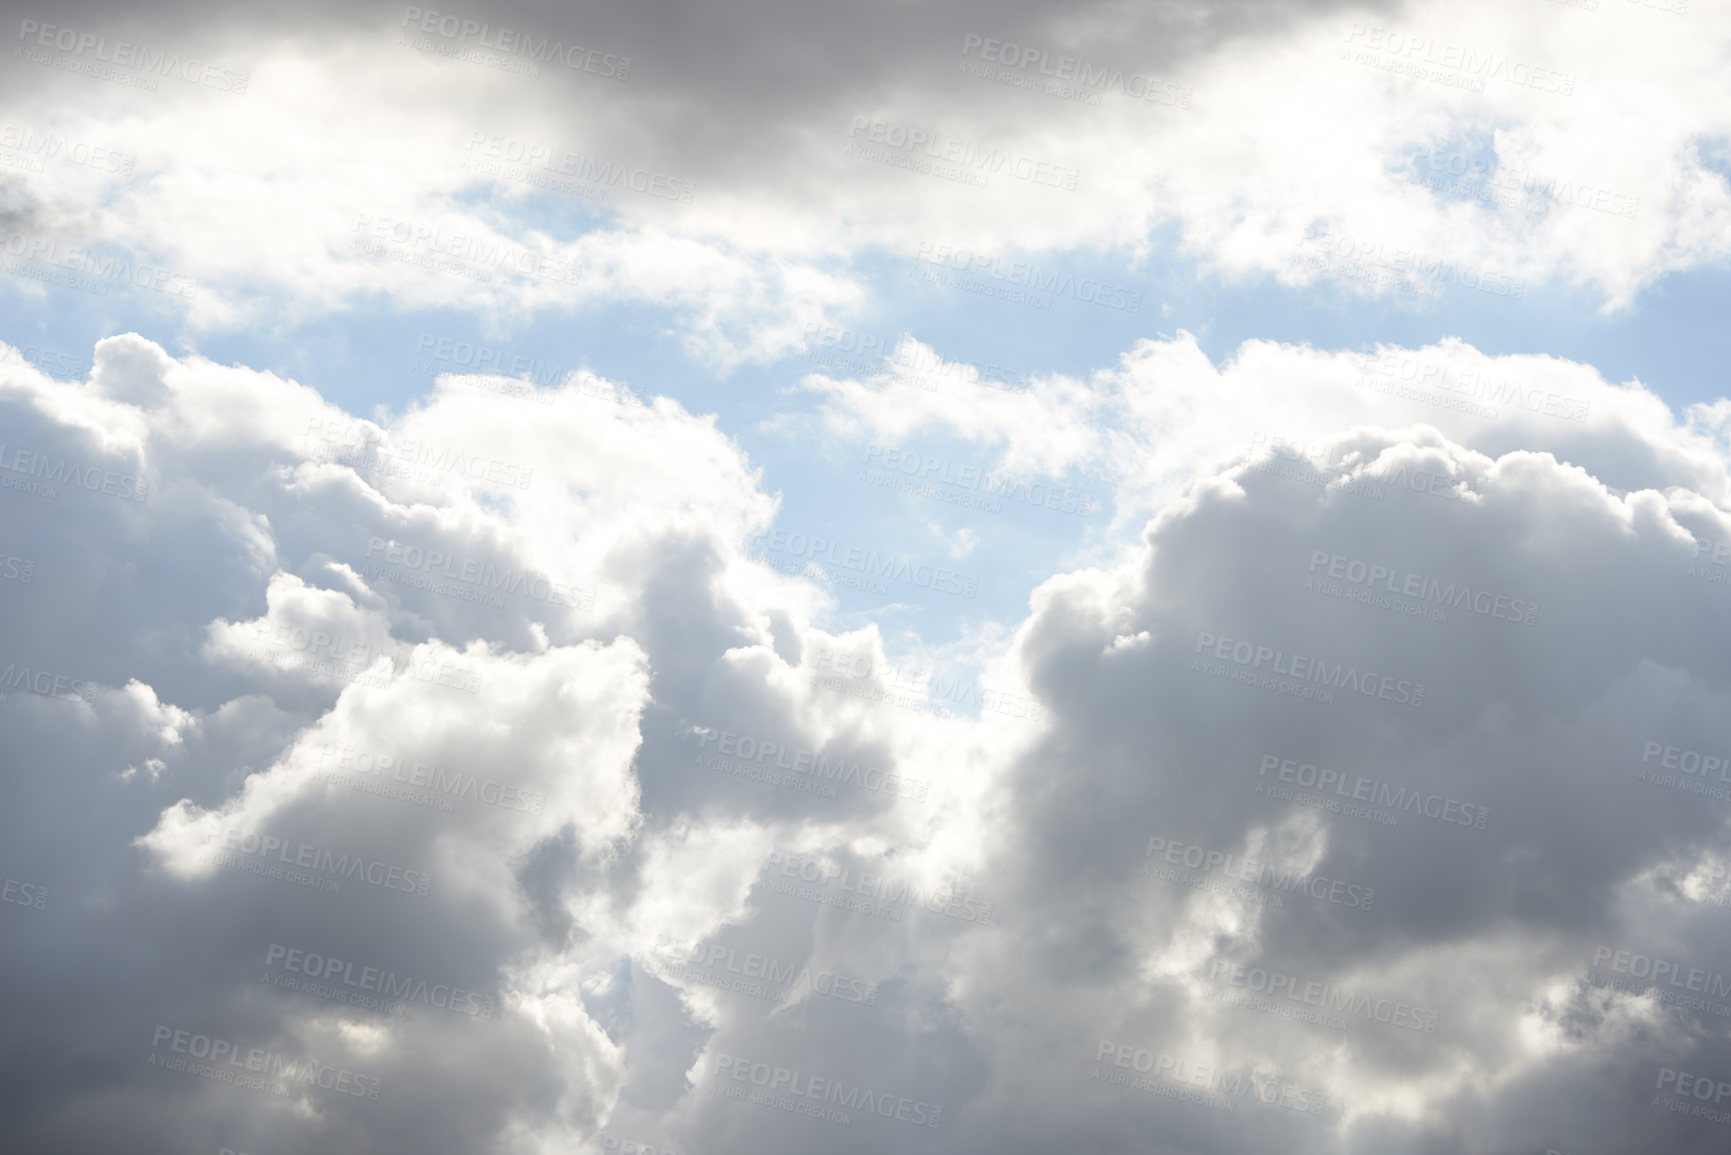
(1061, 907)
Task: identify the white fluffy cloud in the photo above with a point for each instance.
(1391, 152)
(470, 759)
(1164, 413)
(477, 773)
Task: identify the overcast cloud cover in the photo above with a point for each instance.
(661, 578)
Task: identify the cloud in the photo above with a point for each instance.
(481, 773)
(472, 761)
(1181, 689)
(1465, 151)
(1147, 426)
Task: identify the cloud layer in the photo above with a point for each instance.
(473, 763)
(1435, 148)
(704, 712)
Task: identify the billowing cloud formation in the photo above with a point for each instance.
(746, 172)
(461, 779)
(1149, 424)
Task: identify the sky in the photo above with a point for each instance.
(659, 578)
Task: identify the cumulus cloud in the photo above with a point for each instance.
(482, 789)
(535, 761)
(1146, 426)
